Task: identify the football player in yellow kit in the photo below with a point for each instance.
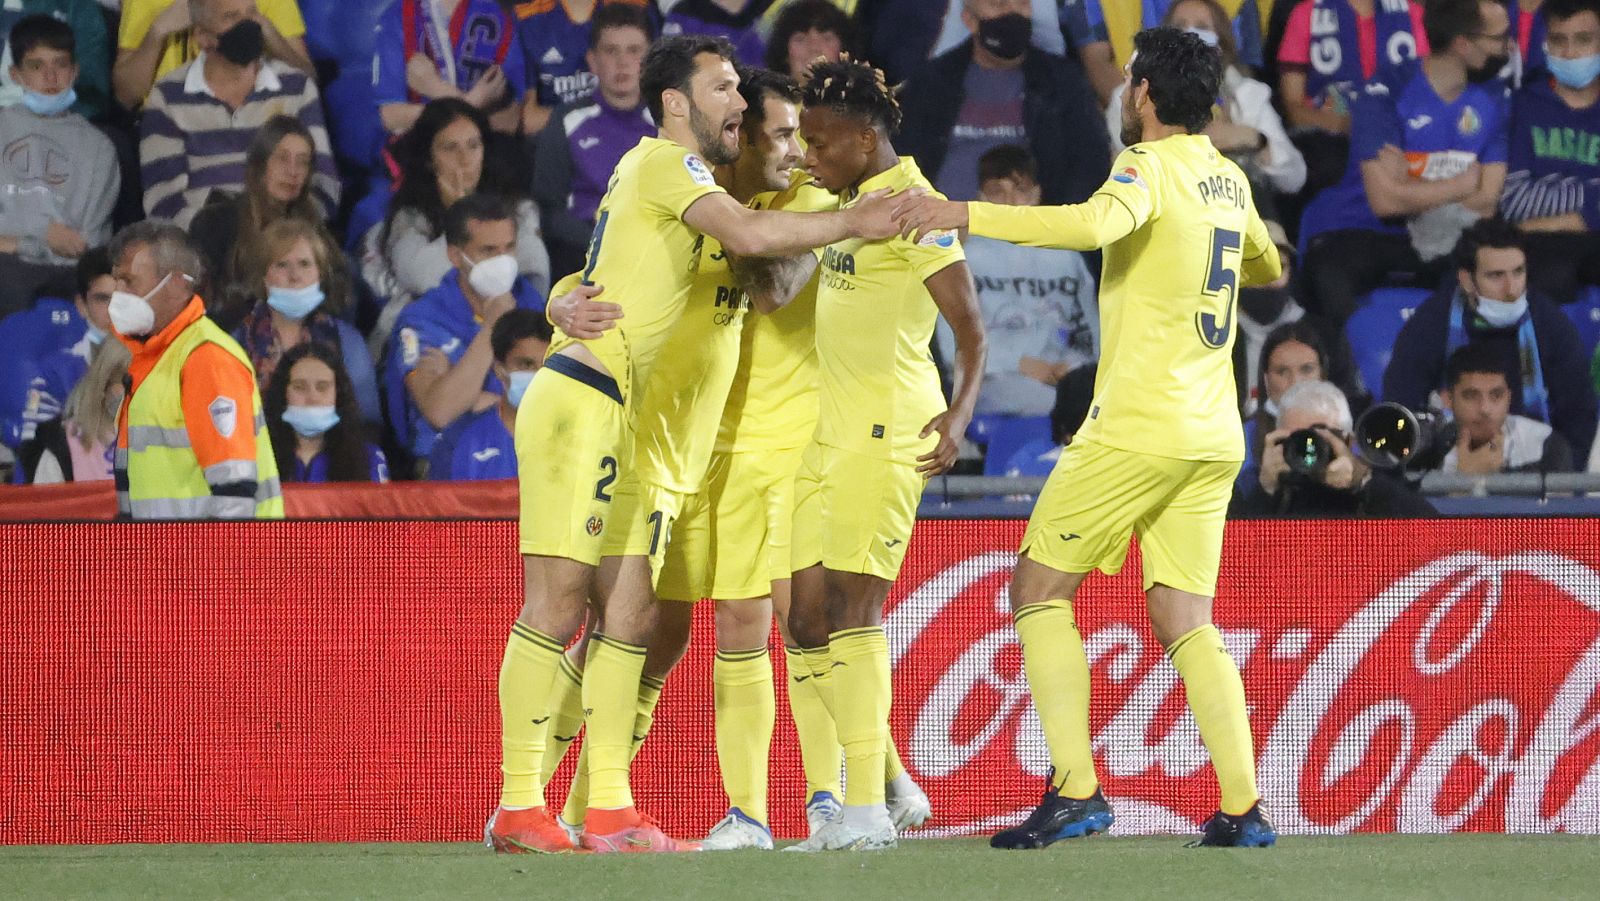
(1161, 447)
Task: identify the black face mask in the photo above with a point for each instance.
(243, 43)
(1006, 36)
(1263, 305)
(1489, 70)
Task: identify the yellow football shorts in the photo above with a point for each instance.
(643, 516)
(571, 433)
(734, 541)
(686, 560)
(1097, 497)
(853, 513)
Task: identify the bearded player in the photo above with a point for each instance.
(575, 435)
(1159, 451)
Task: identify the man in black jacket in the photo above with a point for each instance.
(998, 89)
(1540, 347)
(1344, 487)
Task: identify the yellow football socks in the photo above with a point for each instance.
(819, 661)
(819, 740)
(1058, 676)
(861, 710)
(1216, 695)
(644, 716)
(527, 673)
(566, 716)
(611, 682)
(746, 709)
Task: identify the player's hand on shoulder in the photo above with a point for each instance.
(578, 314)
(919, 212)
(872, 216)
(949, 427)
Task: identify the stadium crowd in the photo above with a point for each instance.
(379, 195)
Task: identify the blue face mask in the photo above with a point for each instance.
(520, 380)
(1574, 73)
(296, 303)
(49, 104)
(309, 422)
(96, 335)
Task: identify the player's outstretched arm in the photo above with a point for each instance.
(1098, 221)
(771, 282)
(777, 233)
(957, 299)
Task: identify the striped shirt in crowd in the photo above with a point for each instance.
(191, 142)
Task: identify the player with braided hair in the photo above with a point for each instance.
(883, 427)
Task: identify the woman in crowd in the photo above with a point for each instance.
(1245, 126)
(441, 161)
(806, 30)
(1293, 352)
(277, 184)
(293, 303)
(315, 426)
(78, 446)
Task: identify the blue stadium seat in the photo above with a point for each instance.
(1001, 437)
(1585, 315)
(1373, 327)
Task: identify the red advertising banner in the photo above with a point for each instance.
(335, 682)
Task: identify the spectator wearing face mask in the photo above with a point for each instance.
(199, 116)
(296, 297)
(92, 86)
(1544, 359)
(997, 89)
(1553, 178)
(58, 174)
(155, 37)
(479, 445)
(441, 365)
(316, 429)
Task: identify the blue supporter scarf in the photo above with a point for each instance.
(1535, 397)
(1336, 46)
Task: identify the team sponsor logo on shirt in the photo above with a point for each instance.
(1130, 176)
(699, 172)
(586, 143)
(410, 346)
(552, 57)
(224, 415)
(1470, 122)
(1417, 123)
(942, 238)
(485, 455)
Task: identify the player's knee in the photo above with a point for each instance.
(855, 600)
(744, 624)
(1175, 613)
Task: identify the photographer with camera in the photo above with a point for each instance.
(1307, 469)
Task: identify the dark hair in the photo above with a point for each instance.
(1184, 75)
(345, 443)
(807, 15)
(1445, 20)
(1562, 10)
(418, 189)
(670, 65)
(1006, 161)
(756, 85)
(1495, 233)
(41, 30)
(854, 88)
(618, 15)
(1478, 356)
(1300, 332)
(475, 208)
(91, 266)
(514, 326)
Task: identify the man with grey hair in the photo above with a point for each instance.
(1343, 486)
(199, 118)
(191, 437)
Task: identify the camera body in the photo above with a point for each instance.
(1308, 453)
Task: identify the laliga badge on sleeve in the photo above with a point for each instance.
(699, 172)
(224, 415)
(1129, 176)
(944, 238)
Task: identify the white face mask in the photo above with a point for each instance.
(1502, 313)
(494, 276)
(1206, 35)
(131, 314)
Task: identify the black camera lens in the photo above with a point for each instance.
(1389, 436)
(1308, 452)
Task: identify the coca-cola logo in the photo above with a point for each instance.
(1455, 693)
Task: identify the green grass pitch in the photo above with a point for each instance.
(1412, 867)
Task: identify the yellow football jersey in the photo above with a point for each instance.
(681, 405)
(644, 255)
(1181, 235)
(773, 404)
(879, 386)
